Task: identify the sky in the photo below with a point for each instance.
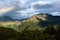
(18, 9)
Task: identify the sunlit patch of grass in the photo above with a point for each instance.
(9, 23)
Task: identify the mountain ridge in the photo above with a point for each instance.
(5, 19)
(43, 20)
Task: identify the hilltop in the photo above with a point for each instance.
(39, 20)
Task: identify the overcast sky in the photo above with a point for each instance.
(18, 9)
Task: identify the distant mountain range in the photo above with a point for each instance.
(5, 19)
(34, 18)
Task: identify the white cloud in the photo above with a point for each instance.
(31, 11)
(40, 2)
(26, 11)
(22, 1)
(56, 7)
(6, 3)
(6, 9)
(55, 13)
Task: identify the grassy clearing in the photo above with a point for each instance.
(9, 23)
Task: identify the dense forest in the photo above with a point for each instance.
(50, 32)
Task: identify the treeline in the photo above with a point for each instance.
(50, 33)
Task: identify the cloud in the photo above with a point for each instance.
(26, 8)
(7, 3)
(56, 7)
(22, 1)
(55, 13)
(40, 2)
(46, 6)
(6, 9)
(29, 11)
(26, 12)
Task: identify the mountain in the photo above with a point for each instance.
(36, 22)
(41, 20)
(5, 18)
(43, 17)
